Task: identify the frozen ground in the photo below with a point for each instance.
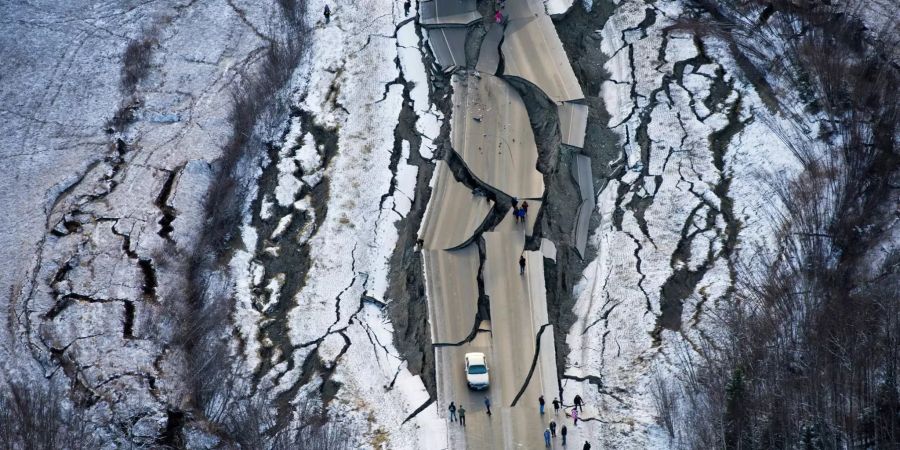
(104, 195)
(104, 186)
(89, 201)
(354, 90)
(697, 146)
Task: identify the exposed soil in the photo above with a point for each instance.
(558, 212)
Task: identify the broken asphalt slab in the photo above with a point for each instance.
(491, 132)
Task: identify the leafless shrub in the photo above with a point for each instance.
(665, 402)
(136, 59)
(35, 416)
(218, 389)
(811, 353)
(253, 425)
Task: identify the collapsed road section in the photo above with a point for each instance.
(485, 289)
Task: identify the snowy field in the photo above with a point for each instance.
(105, 183)
(92, 204)
(698, 145)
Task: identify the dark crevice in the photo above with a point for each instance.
(409, 308)
(162, 203)
(292, 259)
(150, 282)
(637, 267)
(128, 322)
(534, 361)
(419, 409)
(171, 436)
(483, 309)
(67, 300)
(596, 381)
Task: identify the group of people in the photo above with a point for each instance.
(499, 6)
(550, 431)
(458, 414)
(519, 213)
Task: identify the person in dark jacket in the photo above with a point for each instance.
(587, 446)
(462, 415)
(553, 428)
(563, 432)
(487, 404)
(578, 403)
(555, 405)
(327, 14)
(452, 409)
(541, 403)
(522, 272)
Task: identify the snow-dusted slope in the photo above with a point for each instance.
(106, 172)
(697, 144)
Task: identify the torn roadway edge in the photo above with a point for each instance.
(483, 310)
(537, 353)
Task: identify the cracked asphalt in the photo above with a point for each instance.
(493, 147)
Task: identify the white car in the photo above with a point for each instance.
(476, 371)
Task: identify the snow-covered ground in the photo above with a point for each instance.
(95, 228)
(88, 199)
(698, 144)
(339, 315)
(99, 213)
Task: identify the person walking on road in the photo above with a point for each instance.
(520, 215)
(516, 214)
(553, 428)
(575, 416)
(578, 403)
(555, 406)
(541, 403)
(522, 272)
(452, 409)
(487, 404)
(587, 446)
(563, 432)
(547, 437)
(327, 14)
(462, 415)
(524, 209)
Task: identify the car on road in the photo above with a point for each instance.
(477, 371)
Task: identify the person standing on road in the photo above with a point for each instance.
(487, 404)
(327, 14)
(563, 432)
(516, 214)
(522, 272)
(462, 415)
(541, 403)
(553, 428)
(452, 409)
(547, 437)
(515, 202)
(520, 215)
(524, 209)
(575, 416)
(555, 406)
(587, 446)
(578, 403)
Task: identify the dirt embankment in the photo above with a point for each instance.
(558, 213)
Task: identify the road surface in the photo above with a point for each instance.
(491, 133)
